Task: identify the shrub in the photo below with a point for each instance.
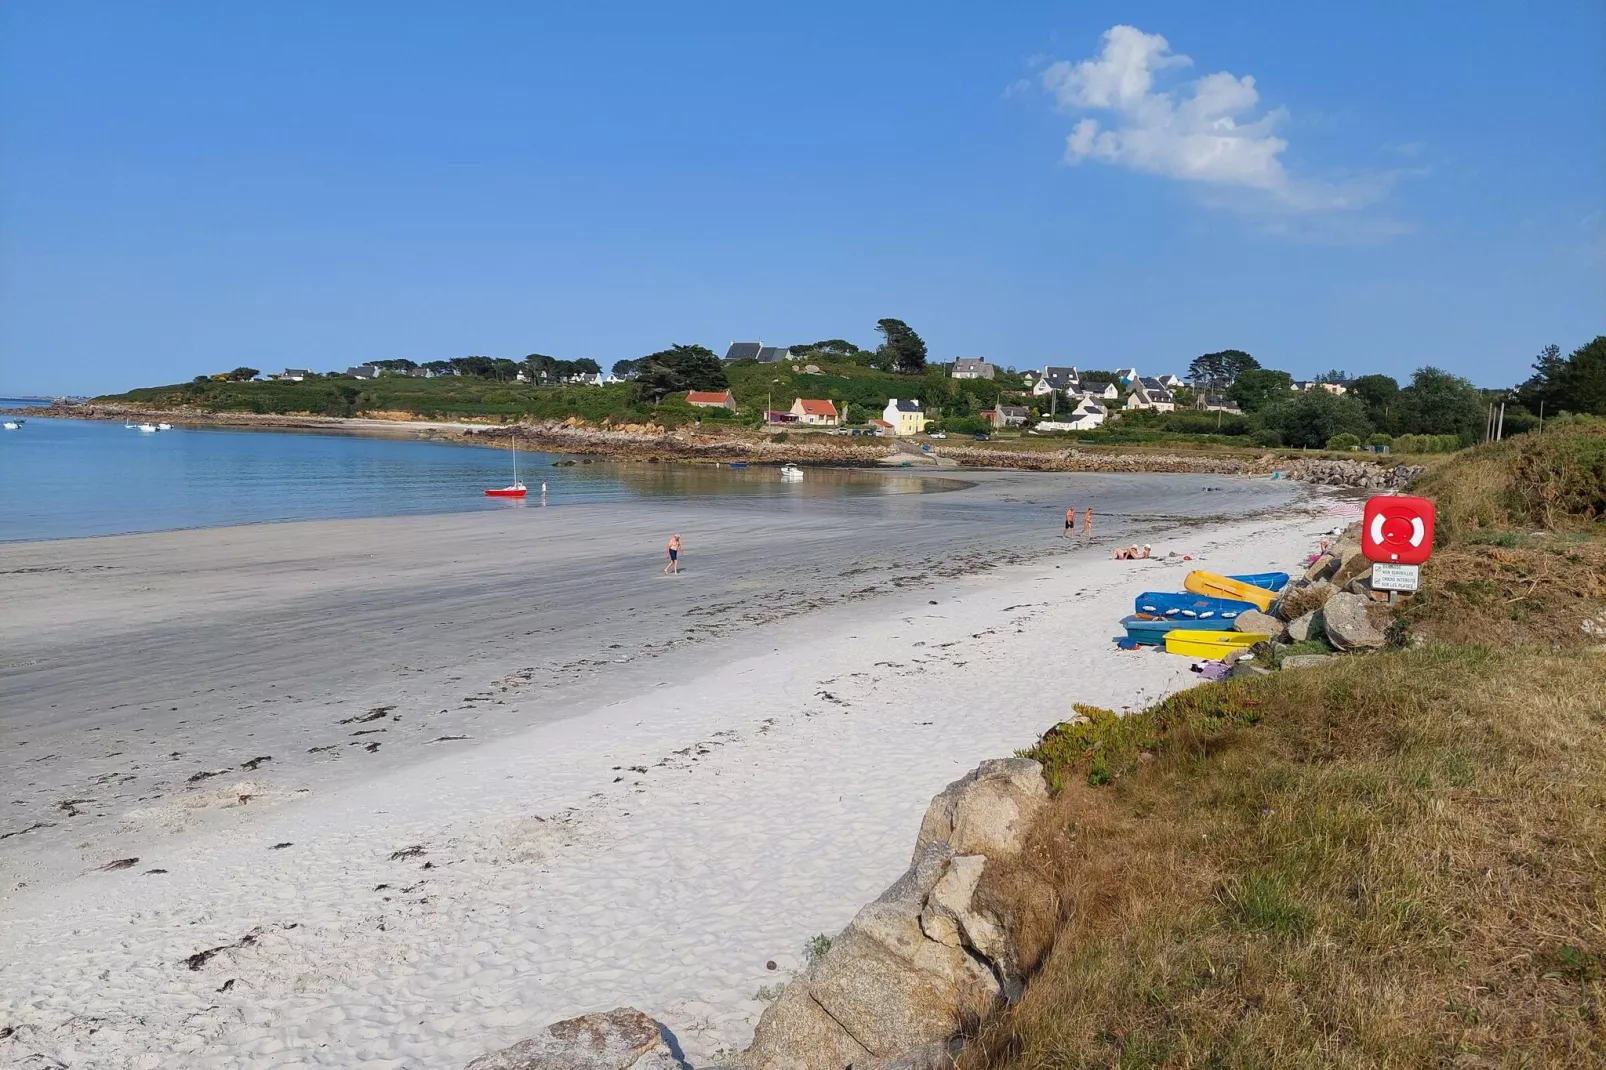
(1380, 439)
(1267, 437)
(1345, 441)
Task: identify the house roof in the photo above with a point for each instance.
(880, 422)
(1060, 375)
(969, 364)
(771, 354)
(708, 397)
(1151, 383)
(812, 407)
(905, 404)
(1013, 410)
(743, 350)
(296, 371)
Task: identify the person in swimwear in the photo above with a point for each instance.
(674, 556)
(1087, 521)
(1070, 521)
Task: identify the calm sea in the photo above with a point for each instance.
(70, 478)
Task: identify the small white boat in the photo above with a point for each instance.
(148, 428)
(164, 427)
(11, 425)
(791, 473)
(129, 426)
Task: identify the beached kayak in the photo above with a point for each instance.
(1214, 586)
(1271, 581)
(1214, 645)
(1187, 606)
(1151, 631)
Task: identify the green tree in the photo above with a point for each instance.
(587, 366)
(1215, 372)
(1256, 388)
(903, 350)
(1438, 403)
(1380, 394)
(240, 375)
(1576, 383)
(1312, 417)
(503, 369)
(677, 368)
(624, 369)
(1332, 375)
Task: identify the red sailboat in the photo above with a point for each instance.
(516, 490)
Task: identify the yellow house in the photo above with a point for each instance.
(906, 417)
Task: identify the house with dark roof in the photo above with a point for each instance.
(906, 416)
(972, 368)
(1218, 403)
(774, 354)
(711, 399)
(291, 375)
(1010, 415)
(743, 350)
(1149, 393)
(1064, 380)
(1107, 389)
(364, 371)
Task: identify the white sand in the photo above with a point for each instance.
(653, 848)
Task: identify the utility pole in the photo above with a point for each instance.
(1541, 417)
(1500, 428)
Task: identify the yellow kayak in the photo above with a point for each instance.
(1214, 645)
(1214, 586)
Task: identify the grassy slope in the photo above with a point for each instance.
(1391, 860)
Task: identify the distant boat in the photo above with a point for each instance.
(791, 473)
(738, 464)
(516, 489)
(148, 428)
(11, 425)
(164, 427)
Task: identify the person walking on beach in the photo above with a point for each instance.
(1087, 521)
(674, 556)
(1070, 522)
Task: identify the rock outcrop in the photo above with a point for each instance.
(1348, 623)
(910, 967)
(1254, 622)
(621, 1039)
(1305, 627)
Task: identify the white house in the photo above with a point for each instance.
(291, 375)
(1087, 415)
(364, 371)
(969, 368)
(1127, 375)
(905, 417)
(1099, 388)
(1010, 415)
(1169, 381)
(1065, 380)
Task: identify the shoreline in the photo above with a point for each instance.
(653, 444)
(656, 845)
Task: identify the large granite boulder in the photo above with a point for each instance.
(985, 811)
(1254, 622)
(1349, 625)
(1306, 627)
(1306, 661)
(897, 984)
(621, 1039)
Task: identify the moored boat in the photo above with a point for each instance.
(11, 425)
(791, 473)
(515, 489)
(149, 429)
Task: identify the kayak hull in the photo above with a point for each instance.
(1213, 645)
(1211, 585)
(1176, 606)
(1270, 581)
(1151, 631)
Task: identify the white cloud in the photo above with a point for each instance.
(1213, 131)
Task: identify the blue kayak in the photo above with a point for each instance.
(1151, 631)
(1271, 581)
(1188, 606)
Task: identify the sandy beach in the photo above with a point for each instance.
(398, 791)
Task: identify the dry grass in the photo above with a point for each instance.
(1555, 481)
(1397, 860)
(1517, 591)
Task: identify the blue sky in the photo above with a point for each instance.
(186, 187)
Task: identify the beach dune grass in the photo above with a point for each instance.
(1396, 860)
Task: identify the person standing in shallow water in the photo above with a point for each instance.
(1087, 521)
(674, 556)
(1070, 521)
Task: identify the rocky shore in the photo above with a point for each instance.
(653, 443)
